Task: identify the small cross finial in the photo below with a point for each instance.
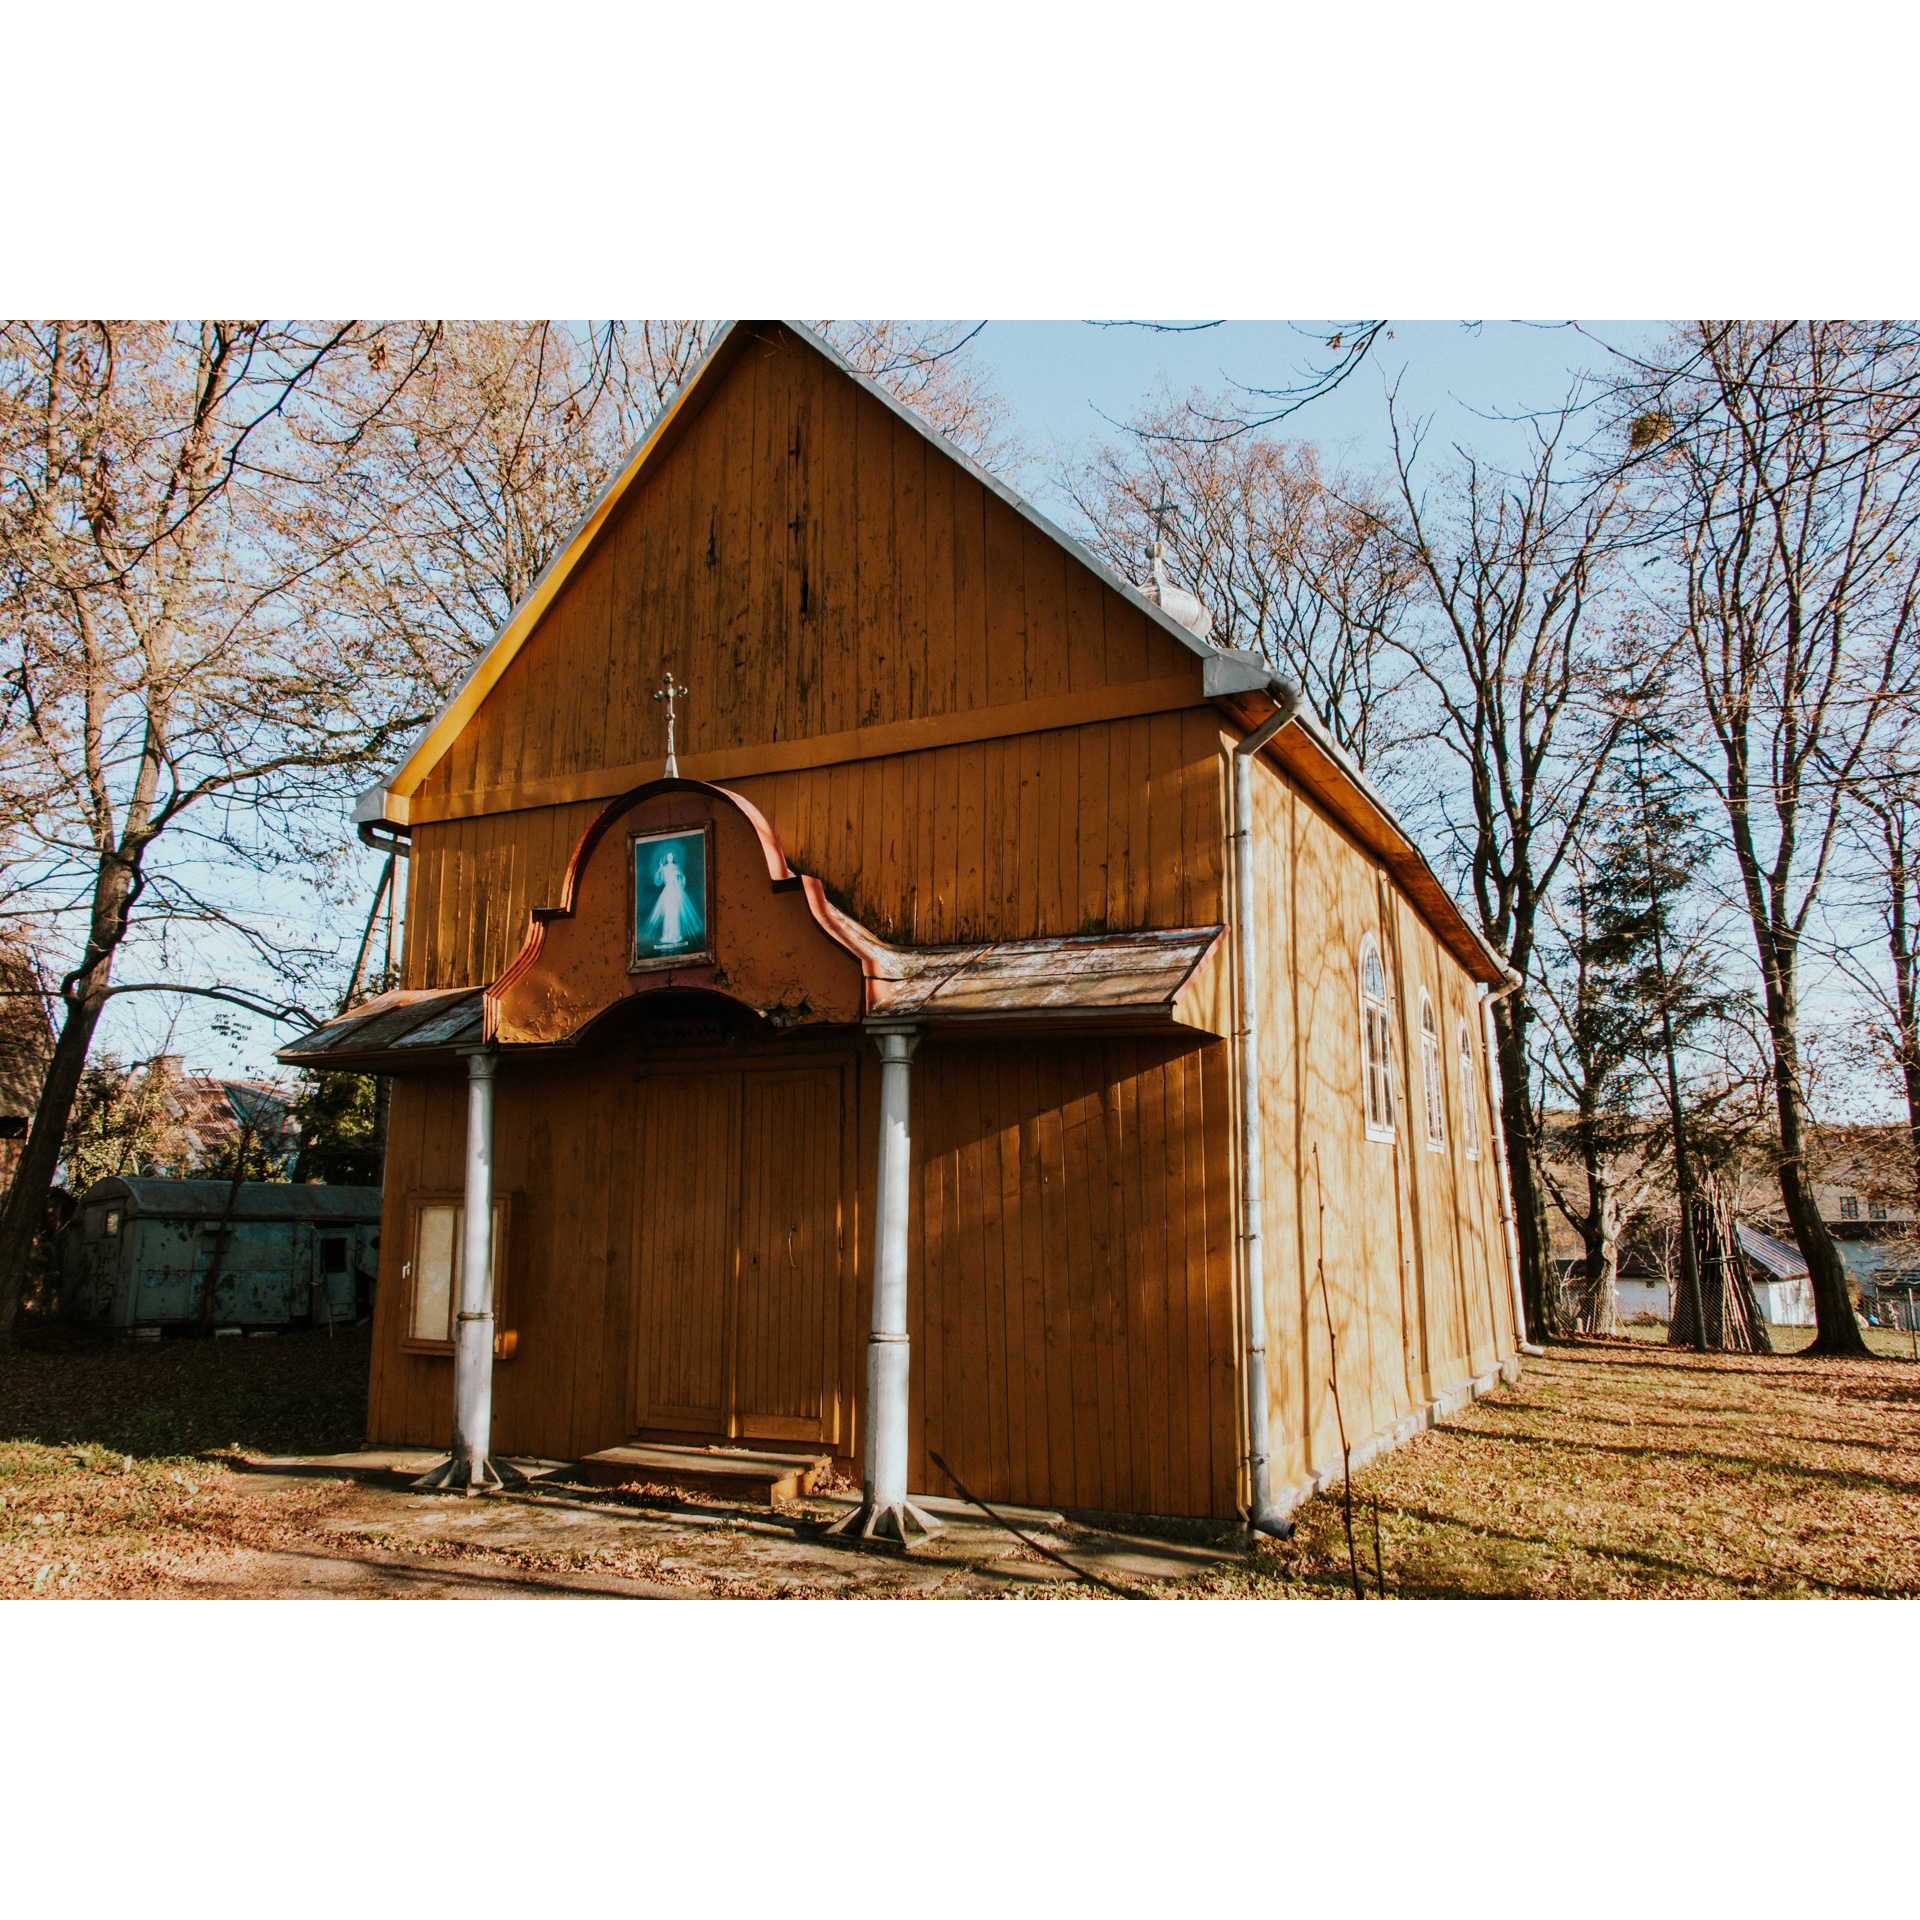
(1160, 515)
(669, 693)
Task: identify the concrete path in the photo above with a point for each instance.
(553, 1539)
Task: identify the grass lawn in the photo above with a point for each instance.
(1623, 1469)
(1613, 1469)
(113, 1454)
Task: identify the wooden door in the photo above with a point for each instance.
(786, 1320)
(685, 1248)
(736, 1254)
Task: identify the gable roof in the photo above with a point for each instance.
(1229, 674)
(728, 345)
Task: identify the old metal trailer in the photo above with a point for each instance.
(139, 1254)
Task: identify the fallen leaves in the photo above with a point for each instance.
(1624, 1470)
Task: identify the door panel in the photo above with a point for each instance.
(787, 1317)
(686, 1197)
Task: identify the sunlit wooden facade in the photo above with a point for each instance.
(919, 718)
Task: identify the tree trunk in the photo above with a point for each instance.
(1539, 1285)
(1602, 1263)
(1906, 979)
(26, 1202)
(1837, 1327)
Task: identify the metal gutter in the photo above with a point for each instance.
(1261, 1514)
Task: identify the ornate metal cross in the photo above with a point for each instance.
(669, 693)
(1161, 514)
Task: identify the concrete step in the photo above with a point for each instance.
(731, 1475)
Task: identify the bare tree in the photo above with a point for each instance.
(1523, 656)
(1292, 565)
(930, 366)
(1885, 837)
(172, 702)
(1788, 457)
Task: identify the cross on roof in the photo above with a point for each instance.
(670, 693)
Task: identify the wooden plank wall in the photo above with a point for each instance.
(807, 564)
(1106, 827)
(1414, 1256)
(1073, 1303)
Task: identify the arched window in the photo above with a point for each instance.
(1432, 1081)
(1469, 1096)
(1376, 1053)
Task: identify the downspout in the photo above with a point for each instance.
(1260, 1511)
(396, 846)
(1497, 1140)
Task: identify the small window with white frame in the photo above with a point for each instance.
(1432, 1077)
(434, 1269)
(1469, 1096)
(1376, 1049)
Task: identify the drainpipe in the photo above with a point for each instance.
(1286, 698)
(885, 1513)
(470, 1464)
(1497, 1140)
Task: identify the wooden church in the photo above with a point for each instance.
(879, 984)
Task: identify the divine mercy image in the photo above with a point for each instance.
(670, 897)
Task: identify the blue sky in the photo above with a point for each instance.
(1061, 376)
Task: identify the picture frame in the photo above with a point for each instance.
(671, 875)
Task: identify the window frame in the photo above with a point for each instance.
(504, 1342)
(1469, 1093)
(1433, 1077)
(1387, 1131)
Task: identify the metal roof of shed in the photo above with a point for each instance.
(1772, 1256)
(256, 1200)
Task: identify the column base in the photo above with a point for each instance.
(900, 1525)
(452, 1475)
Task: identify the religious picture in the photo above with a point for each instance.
(670, 908)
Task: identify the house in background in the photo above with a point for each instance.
(1777, 1277)
(1878, 1236)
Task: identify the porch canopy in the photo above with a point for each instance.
(771, 942)
(1118, 982)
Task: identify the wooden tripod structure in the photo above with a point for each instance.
(1726, 1301)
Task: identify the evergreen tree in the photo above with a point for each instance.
(339, 1130)
(1636, 984)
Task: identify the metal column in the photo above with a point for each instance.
(885, 1513)
(470, 1465)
